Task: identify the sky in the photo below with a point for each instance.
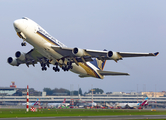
(116, 25)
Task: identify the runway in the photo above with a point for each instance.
(93, 117)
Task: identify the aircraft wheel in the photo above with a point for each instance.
(66, 68)
(56, 69)
(53, 68)
(45, 68)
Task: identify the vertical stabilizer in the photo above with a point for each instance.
(145, 102)
(37, 102)
(98, 63)
(64, 100)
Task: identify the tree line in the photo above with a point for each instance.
(54, 91)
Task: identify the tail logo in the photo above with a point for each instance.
(99, 63)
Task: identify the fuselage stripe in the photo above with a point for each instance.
(46, 38)
(92, 70)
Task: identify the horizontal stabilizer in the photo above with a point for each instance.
(82, 76)
(111, 73)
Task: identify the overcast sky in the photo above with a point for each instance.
(117, 25)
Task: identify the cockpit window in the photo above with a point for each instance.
(25, 18)
(16, 28)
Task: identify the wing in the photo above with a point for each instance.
(111, 73)
(130, 54)
(30, 58)
(87, 54)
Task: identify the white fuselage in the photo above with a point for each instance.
(57, 104)
(130, 105)
(42, 42)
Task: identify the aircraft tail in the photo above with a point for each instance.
(145, 102)
(64, 100)
(37, 102)
(98, 63)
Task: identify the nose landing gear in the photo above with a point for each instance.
(21, 35)
(23, 44)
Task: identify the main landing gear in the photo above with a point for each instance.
(67, 67)
(56, 69)
(64, 67)
(44, 64)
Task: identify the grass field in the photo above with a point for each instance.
(11, 113)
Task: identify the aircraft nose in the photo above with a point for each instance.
(20, 25)
(17, 25)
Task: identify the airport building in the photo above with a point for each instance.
(8, 94)
(5, 91)
(98, 98)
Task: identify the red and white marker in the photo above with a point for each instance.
(27, 98)
(33, 109)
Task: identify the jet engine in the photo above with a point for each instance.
(78, 52)
(12, 61)
(20, 56)
(113, 55)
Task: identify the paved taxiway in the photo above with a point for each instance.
(92, 117)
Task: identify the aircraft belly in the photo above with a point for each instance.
(54, 54)
(78, 69)
(86, 69)
(49, 53)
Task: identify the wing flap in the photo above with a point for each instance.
(97, 53)
(111, 73)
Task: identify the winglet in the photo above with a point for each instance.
(155, 54)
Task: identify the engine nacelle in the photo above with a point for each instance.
(113, 55)
(78, 52)
(12, 61)
(20, 56)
